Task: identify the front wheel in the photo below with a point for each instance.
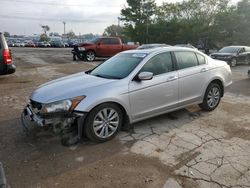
(103, 122)
(90, 56)
(212, 97)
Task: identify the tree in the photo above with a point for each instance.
(137, 17)
(44, 37)
(113, 30)
(6, 34)
(45, 28)
(71, 35)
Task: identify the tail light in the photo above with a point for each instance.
(6, 57)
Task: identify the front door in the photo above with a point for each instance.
(155, 96)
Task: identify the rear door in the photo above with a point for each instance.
(243, 56)
(115, 46)
(103, 48)
(108, 47)
(193, 73)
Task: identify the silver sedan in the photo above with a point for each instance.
(129, 87)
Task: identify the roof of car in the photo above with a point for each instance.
(159, 49)
(236, 46)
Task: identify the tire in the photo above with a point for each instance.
(212, 97)
(90, 55)
(103, 122)
(233, 63)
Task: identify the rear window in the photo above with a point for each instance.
(3, 43)
(247, 49)
(201, 59)
(0, 41)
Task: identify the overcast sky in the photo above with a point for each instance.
(26, 16)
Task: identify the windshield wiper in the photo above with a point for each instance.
(106, 76)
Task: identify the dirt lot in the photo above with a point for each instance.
(188, 148)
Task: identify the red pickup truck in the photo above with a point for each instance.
(100, 47)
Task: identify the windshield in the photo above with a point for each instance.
(229, 50)
(119, 66)
(94, 40)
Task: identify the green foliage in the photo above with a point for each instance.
(138, 16)
(215, 22)
(113, 31)
(45, 28)
(6, 34)
(71, 35)
(44, 37)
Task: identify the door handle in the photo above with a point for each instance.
(204, 70)
(172, 78)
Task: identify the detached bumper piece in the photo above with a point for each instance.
(81, 55)
(3, 182)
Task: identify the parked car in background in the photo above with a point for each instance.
(148, 46)
(233, 55)
(131, 86)
(101, 47)
(186, 46)
(6, 64)
(66, 45)
(57, 44)
(30, 44)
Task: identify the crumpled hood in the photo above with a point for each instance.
(67, 87)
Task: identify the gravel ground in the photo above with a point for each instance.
(188, 148)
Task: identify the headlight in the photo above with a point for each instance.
(81, 48)
(65, 105)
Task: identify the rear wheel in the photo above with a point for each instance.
(212, 97)
(90, 56)
(103, 122)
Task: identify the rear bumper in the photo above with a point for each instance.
(8, 69)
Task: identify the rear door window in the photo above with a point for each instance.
(114, 41)
(186, 59)
(105, 41)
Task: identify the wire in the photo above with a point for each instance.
(59, 4)
(2, 16)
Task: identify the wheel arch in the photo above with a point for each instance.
(126, 117)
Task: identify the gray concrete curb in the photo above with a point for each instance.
(3, 182)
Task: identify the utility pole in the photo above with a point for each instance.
(64, 23)
(119, 19)
(147, 27)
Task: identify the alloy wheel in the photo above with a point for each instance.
(106, 122)
(213, 97)
(90, 56)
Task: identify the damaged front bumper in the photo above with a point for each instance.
(58, 121)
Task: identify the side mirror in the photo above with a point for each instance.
(98, 44)
(145, 76)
